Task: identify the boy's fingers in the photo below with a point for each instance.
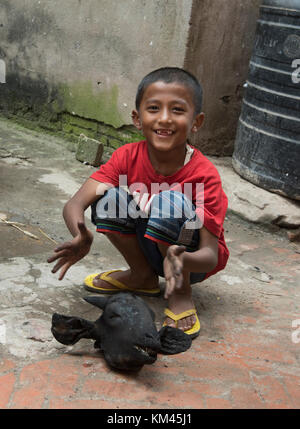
(64, 270)
(166, 289)
(179, 249)
(177, 267)
(167, 293)
(178, 283)
(174, 282)
(176, 261)
(170, 284)
(63, 246)
(174, 251)
(57, 256)
(59, 264)
(52, 258)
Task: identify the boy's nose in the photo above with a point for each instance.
(165, 116)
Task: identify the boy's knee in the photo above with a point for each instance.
(112, 204)
(172, 204)
(170, 213)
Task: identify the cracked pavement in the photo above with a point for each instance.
(247, 354)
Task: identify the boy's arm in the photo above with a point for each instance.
(205, 259)
(74, 209)
(71, 252)
(177, 260)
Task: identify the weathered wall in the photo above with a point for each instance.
(85, 58)
(74, 65)
(218, 52)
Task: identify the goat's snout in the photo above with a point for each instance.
(153, 341)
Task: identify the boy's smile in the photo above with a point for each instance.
(167, 116)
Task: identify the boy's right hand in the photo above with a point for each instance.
(70, 252)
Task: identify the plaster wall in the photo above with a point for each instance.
(87, 57)
(76, 64)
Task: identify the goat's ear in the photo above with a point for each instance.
(173, 340)
(98, 301)
(152, 314)
(68, 330)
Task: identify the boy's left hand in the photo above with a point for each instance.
(173, 266)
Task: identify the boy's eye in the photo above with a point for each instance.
(178, 109)
(153, 108)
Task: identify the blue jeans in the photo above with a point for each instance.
(168, 222)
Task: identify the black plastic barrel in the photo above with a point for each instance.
(267, 146)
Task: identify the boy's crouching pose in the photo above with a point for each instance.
(159, 201)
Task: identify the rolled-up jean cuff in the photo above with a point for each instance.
(113, 226)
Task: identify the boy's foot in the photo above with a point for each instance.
(127, 279)
(179, 302)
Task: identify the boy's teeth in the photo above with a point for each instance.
(169, 132)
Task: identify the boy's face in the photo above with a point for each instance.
(167, 115)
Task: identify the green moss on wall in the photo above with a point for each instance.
(68, 111)
(84, 102)
(79, 122)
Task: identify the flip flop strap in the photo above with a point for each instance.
(106, 277)
(179, 316)
(112, 281)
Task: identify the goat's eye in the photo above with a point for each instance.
(114, 316)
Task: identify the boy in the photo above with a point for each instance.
(158, 229)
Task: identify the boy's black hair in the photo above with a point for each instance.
(170, 75)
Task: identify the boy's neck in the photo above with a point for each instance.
(167, 163)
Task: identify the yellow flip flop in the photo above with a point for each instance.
(194, 330)
(88, 284)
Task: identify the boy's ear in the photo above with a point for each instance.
(136, 119)
(198, 122)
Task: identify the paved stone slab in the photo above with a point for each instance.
(253, 203)
(246, 356)
(89, 151)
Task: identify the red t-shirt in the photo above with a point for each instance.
(132, 161)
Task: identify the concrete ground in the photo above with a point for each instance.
(247, 354)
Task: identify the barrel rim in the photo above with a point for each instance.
(281, 4)
(272, 184)
(286, 9)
